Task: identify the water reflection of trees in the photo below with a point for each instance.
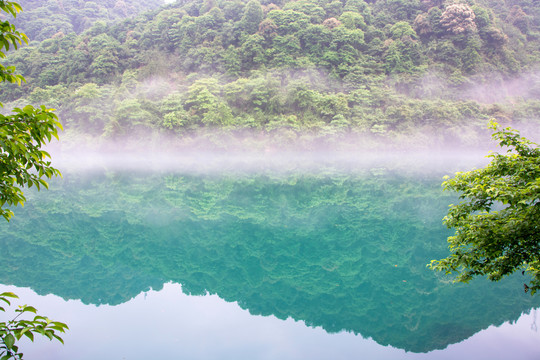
(342, 252)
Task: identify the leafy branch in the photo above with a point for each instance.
(14, 329)
(22, 162)
(497, 220)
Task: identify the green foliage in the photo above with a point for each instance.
(288, 21)
(10, 37)
(22, 162)
(401, 29)
(253, 15)
(315, 12)
(390, 47)
(403, 56)
(75, 16)
(352, 20)
(13, 330)
(22, 134)
(497, 223)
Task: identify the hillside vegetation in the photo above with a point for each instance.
(294, 70)
(43, 19)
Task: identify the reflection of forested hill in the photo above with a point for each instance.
(343, 252)
(292, 69)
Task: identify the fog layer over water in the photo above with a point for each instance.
(248, 155)
(278, 161)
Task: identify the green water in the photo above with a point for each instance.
(345, 251)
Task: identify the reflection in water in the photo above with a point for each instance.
(170, 325)
(341, 251)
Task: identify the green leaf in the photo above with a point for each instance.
(29, 334)
(59, 338)
(9, 340)
(9, 294)
(29, 309)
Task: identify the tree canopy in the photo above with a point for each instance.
(22, 134)
(497, 224)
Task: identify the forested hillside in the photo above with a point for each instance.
(295, 70)
(43, 19)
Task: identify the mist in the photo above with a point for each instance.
(260, 153)
(217, 150)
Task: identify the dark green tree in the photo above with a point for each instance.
(253, 15)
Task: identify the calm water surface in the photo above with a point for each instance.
(304, 262)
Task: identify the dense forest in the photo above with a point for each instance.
(43, 19)
(292, 70)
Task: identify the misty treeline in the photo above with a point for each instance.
(289, 68)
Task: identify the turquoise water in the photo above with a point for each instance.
(295, 259)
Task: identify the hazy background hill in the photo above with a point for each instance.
(43, 19)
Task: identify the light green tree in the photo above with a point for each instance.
(498, 222)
